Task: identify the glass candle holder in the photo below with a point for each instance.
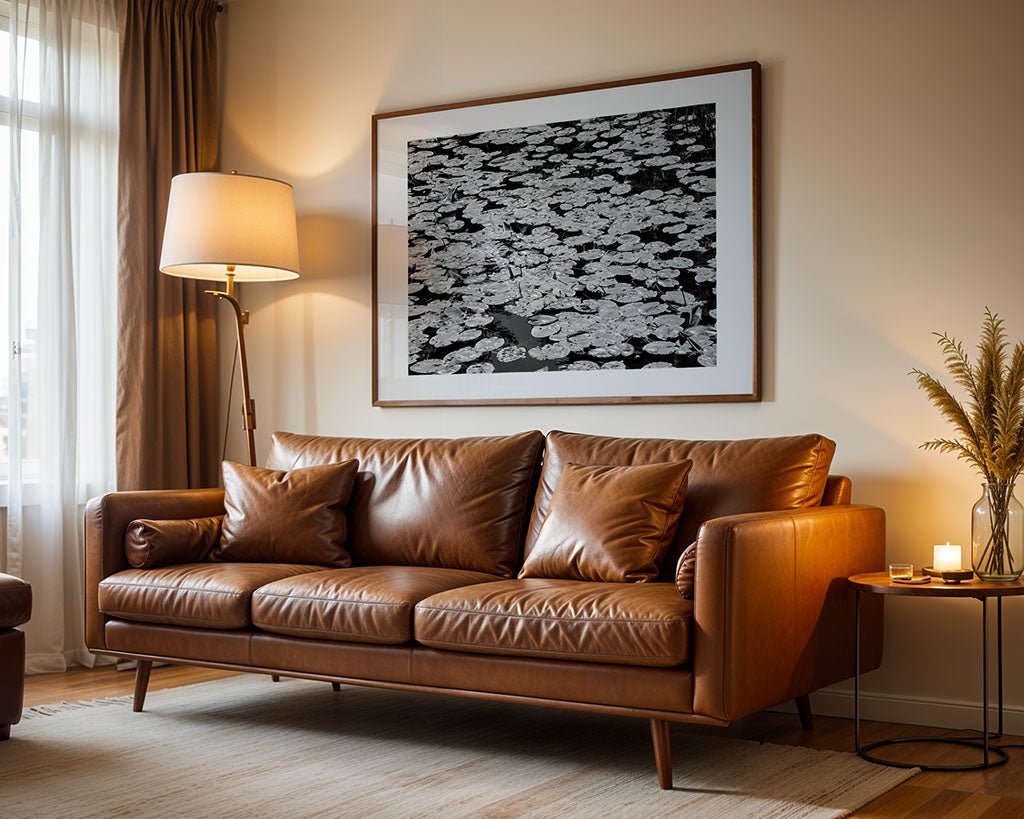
(901, 571)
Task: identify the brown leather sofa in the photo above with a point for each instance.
(437, 531)
(15, 609)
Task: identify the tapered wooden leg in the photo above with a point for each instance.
(336, 686)
(803, 705)
(662, 741)
(142, 669)
(275, 678)
(5, 732)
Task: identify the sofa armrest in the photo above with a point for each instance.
(106, 521)
(773, 610)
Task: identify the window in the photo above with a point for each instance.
(19, 257)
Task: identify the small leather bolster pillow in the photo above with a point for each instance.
(152, 543)
(686, 571)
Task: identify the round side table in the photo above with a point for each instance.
(992, 755)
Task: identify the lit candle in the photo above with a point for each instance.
(947, 558)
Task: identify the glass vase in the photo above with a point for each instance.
(997, 533)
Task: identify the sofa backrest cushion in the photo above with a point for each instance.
(454, 503)
(728, 477)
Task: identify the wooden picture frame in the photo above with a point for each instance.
(487, 295)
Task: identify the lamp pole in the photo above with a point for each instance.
(241, 319)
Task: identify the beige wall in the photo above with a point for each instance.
(892, 183)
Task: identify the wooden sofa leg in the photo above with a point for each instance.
(662, 741)
(803, 706)
(336, 686)
(142, 669)
(275, 678)
(5, 732)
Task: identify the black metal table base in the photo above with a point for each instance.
(996, 755)
(992, 755)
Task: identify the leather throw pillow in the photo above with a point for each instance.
(277, 516)
(609, 523)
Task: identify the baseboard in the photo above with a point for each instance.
(954, 714)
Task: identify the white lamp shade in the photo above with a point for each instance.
(220, 219)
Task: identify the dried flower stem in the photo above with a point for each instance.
(989, 425)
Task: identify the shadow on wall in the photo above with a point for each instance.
(770, 192)
(334, 246)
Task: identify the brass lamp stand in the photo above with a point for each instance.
(241, 319)
(231, 227)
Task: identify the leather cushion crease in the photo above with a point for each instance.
(610, 523)
(201, 595)
(152, 543)
(629, 623)
(450, 503)
(727, 478)
(286, 516)
(366, 604)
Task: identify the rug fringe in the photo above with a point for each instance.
(62, 707)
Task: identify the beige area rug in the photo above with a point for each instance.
(248, 747)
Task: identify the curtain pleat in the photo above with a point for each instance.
(167, 349)
(61, 294)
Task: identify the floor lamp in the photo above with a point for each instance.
(231, 228)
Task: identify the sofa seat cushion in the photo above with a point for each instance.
(628, 623)
(364, 604)
(201, 595)
(15, 601)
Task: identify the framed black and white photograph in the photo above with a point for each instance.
(596, 244)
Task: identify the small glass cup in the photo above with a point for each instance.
(901, 571)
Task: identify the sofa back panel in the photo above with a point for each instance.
(728, 477)
(458, 504)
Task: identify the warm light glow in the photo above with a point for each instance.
(216, 219)
(947, 558)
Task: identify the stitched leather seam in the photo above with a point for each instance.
(258, 593)
(794, 660)
(730, 544)
(106, 585)
(552, 618)
(567, 652)
(814, 470)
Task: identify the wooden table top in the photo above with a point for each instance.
(881, 583)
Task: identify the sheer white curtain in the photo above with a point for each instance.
(59, 157)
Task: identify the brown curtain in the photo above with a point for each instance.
(167, 348)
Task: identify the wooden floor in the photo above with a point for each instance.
(990, 794)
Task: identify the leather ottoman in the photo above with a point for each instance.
(15, 609)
